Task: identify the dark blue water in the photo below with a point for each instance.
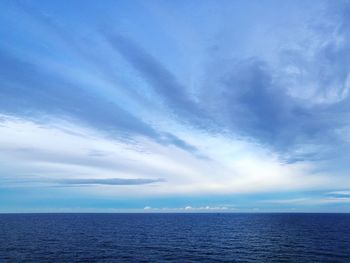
(175, 237)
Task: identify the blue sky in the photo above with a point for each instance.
(180, 106)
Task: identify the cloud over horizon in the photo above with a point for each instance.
(132, 101)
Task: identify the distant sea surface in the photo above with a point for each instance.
(175, 238)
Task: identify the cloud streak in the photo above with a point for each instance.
(110, 181)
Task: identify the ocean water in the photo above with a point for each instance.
(175, 238)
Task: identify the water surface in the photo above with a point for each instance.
(175, 238)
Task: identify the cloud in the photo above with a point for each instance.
(36, 86)
(252, 97)
(109, 181)
(233, 166)
(31, 91)
(39, 93)
(159, 78)
(294, 102)
(317, 70)
(340, 193)
(190, 209)
(311, 201)
(260, 112)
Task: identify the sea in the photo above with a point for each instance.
(174, 237)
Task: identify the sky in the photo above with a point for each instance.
(174, 106)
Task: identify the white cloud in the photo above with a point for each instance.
(32, 152)
(190, 209)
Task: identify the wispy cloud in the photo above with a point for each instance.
(109, 181)
(197, 109)
(340, 193)
(310, 201)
